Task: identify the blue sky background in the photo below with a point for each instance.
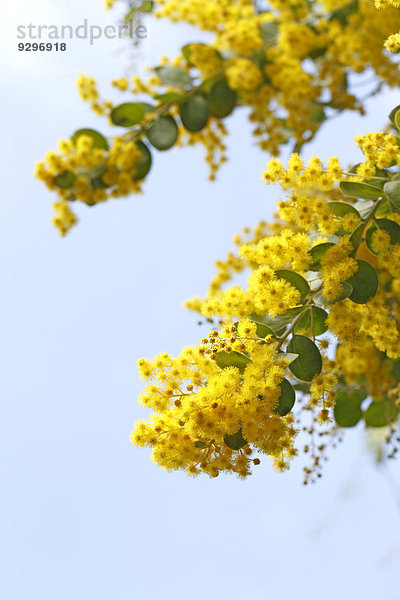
(84, 514)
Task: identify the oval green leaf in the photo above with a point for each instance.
(65, 180)
(235, 441)
(317, 253)
(340, 209)
(286, 399)
(347, 289)
(194, 113)
(309, 362)
(294, 279)
(366, 191)
(128, 114)
(98, 140)
(393, 115)
(169, 97)
(364, 283)
(221, 99)
(313, 321)
(232, 359)
(143, 165)
(392, 191)
(392, 228)
(163, 133)
(173, 76)
(381, 413)
(356, 238)
(347, 410)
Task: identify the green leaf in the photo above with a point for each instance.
(381, 413)
(313, 321)
(65, 180)
(235, 441)
(289, 357)
(221, 99)
(309, 362)
(128, 114)
(286, 399)
(232, 359)
(194, 113)
(98, 140)
(356, 238)
(317, 253)
(340, 209)
(169, 97)
(304, 388)
(277, 324)
(262, 329)
(269, 31)
(95, 176)
(200, 445)
(366, 191)
(319, 298)
(383, 209)
(347, 408)
(143, 165)
(392, 228)
(187, 50)
(294, 279)
(395, 369)
(393, 115)
(376, 180)
(316, 113)
(341, 14)
(146, 6)
(364, 282)
(173, 76)
(317, 52)
(163, 133)
(392, 191)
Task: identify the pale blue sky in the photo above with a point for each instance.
(83, 513)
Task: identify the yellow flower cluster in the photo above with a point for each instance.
(392, 43)
(80, 171)
(334, 267)
(289, 64)
(211, 419)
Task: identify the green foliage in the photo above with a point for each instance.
(143, 165)
(347, 409)
(194, 113)
(317, 253)
(309, 361)
(392, 191)
(128, 114)
(286, 399)
(278, 324)
(347, 291)
(313, 321)
(392, 228)
(366, 191)
(232, 359)
(174, 76)
(163, 133)
(357, 237)
(364, 282)
(340, 209)
(381, 413)
(235, 441)
(98, 140)
(221, 99)
(65, 180)
(296, 280)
